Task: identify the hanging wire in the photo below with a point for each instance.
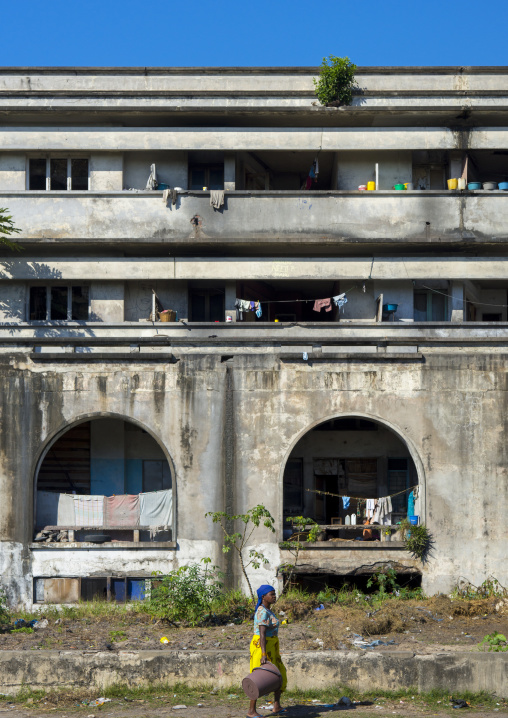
(359, 498)
(292, 301)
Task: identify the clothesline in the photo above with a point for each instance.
(291, 301)
(359, 498)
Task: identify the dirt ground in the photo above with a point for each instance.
(237, 708)
(423, 627)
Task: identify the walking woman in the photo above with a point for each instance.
(265, 644)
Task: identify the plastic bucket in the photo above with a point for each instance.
(452, 183)
(163, 185)
(413, 520)
(399, 187)
(371, 185)
(264, 679)
(474, 185)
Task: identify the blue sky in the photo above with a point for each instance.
(260, 32)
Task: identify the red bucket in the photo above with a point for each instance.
(264, 679)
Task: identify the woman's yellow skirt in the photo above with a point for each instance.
(272, 654)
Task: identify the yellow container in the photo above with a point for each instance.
(371, 185)
(453, 183)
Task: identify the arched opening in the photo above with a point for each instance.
(340, 474)
(104, 479)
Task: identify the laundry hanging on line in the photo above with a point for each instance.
(340, 300)
(313, 174)
(245, 305)
(325, 304)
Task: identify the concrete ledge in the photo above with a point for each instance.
(389, 670)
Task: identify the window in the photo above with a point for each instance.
(207, 305)
(58, 173)
(58, 303)
(209, 176)
(429, 307)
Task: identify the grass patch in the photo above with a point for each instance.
(166, 694)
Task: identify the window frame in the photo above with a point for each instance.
(48, 288)
(57, 156)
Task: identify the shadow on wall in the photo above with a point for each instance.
(13, 308)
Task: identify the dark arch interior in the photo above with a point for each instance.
(103, 457)
(350, 457)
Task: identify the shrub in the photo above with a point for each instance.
(185, 594)
(495, 642)
(336, 81)
(4, 611)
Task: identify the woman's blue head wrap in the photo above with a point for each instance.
(262, 591)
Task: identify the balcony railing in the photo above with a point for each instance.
(275, 217)
(330, 337)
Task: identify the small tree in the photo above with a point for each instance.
(294, 546)
(7, 228)
(239, 540)
(336, 81)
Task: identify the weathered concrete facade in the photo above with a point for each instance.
(228, 403)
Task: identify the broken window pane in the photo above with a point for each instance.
(79, 310)
(37, 174)
(37, 308)
(58, 303)
(79, 174)
(58, 174)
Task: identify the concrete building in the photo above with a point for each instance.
(403, 386)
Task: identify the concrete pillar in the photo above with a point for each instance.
(229, 299)
(107, 302)
(229, 170)
(457, 302)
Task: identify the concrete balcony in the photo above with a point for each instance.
(257, 219)
(323, 341)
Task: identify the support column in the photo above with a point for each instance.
(230, 170)
(457, 302)
(229, 300)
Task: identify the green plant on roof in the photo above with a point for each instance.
(336, 81)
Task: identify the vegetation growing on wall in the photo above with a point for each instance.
(417, 539)
(7, 229)
(336, 81)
